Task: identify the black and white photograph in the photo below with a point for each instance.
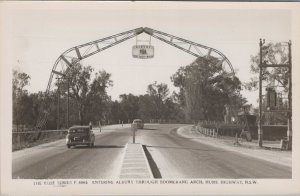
(149, 98)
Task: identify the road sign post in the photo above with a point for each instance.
(133, 128)
(289, 132)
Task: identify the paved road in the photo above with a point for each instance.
(172, 157)
(177, 157)
(55, 161)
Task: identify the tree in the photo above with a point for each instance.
(272, 54)
(158, 104)
(98, 100)
(277, 77)
(116, 112)
(130, 106)
(20, 96)
(205, 88)
(146, 107)
(20, 80)
(89, 96)
(172, 110)
(159, 96)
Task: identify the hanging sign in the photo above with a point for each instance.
(143, 51)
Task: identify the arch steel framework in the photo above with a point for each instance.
(75, 54)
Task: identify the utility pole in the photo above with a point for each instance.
(289, 109)
(68, 86)
(289, 131)
(58, 104)
(65, 77)
(260, 130)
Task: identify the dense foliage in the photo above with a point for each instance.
(277, 78)
(205, 88)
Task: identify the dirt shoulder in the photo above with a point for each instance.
(245, 148)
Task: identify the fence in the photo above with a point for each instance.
(221, 128)
(218, 129)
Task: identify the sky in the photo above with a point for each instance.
(40, 34)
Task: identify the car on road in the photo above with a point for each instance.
(80, 135)
(139, 122)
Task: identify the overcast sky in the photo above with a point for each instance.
(41, 34)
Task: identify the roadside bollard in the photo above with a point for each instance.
(133, 128)
(236, 140)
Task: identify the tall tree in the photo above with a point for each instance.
(97, 106)
(146, 108)
(89, 95)
(130, 106)
(159, 95)
(116, 112)
(20, 96)
(273, 53)
(19, 81)
(205, 88)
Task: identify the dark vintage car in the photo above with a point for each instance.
(80, 135)
(139, 123)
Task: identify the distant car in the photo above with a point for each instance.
(139, 122)
(80, 135)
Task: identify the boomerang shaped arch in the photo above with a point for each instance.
(75, 54)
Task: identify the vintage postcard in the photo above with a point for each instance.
(149, 98)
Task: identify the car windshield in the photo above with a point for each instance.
(137, 121)
(78, 130)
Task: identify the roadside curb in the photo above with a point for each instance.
(135, 163)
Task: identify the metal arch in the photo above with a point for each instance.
(76, 54)
(83, 51)
(159, 35)
(80, 52)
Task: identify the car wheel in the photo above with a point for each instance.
(68, 146)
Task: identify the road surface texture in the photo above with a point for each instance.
(55, 161)
(170, 156)
(178, 157)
